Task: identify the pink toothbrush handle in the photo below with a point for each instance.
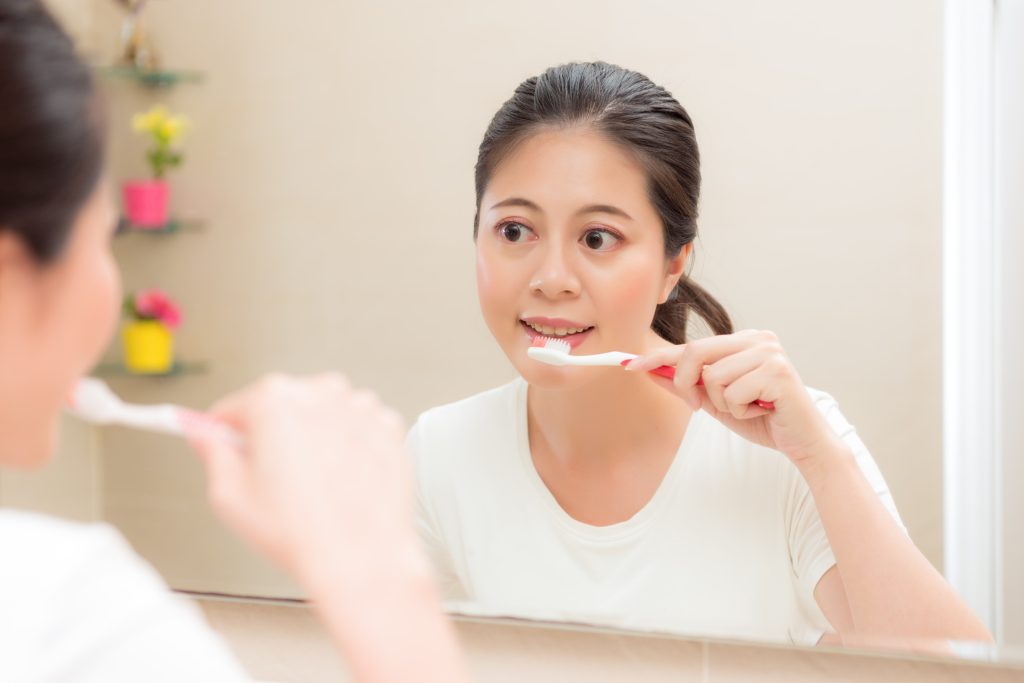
(669, 372)
(666, 371)
(195, 422)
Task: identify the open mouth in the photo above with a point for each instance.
(574, 336)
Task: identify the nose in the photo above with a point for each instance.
(555, 278)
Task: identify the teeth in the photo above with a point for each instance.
(556, 331)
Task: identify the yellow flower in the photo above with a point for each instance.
(173, 128)
(150, 121)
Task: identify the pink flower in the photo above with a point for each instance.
(154, 304)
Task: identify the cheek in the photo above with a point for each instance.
(629, 295)
(98, 307)
(497, 285)
(108, 292)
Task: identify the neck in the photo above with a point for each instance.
(608, 419)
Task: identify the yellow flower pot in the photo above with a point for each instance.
(148, 347)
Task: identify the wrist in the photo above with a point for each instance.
(830, 455)
(346, 572)
(375, 609)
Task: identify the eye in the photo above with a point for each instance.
(514, 232)
(601, 240)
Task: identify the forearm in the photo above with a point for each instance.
(891, 588)
(388, 623)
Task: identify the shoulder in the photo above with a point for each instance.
(829, 409)
(77, 597)
(41, 541)
(474, 421)
(44, 555)
(472, 441)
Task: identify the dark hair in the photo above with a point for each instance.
(631, 111)
(51, 137)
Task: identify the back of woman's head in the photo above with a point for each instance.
(644, 119)
(51, 146)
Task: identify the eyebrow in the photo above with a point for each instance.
(592, 208)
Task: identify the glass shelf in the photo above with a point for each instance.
(152, 78)
(173, 226)
(179, 368)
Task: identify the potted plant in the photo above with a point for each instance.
(148, 335)
(145, 201)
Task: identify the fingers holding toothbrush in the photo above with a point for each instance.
(747, 382)
(705, 367)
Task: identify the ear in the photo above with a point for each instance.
(676, 267)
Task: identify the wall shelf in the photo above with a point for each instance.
(151, 78)
(173, 226)
(117, 370)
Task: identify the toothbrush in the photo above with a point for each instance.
(558, 352)
(93, 401)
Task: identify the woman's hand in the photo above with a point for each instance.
(736, 371)
(322, 484)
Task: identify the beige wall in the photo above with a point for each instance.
(332, 155)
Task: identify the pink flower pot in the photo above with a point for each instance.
(145, 203)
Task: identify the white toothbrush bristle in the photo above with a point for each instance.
(93, 400)
(553, 352)
(557, 345)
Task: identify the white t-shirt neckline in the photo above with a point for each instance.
(612, 532)
(731, 541)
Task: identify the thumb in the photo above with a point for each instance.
(207, 445)
(225, 469)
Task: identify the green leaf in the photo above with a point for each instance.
(128, 307)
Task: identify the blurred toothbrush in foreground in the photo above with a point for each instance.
(93, 401)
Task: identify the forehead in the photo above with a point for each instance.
(569, 166)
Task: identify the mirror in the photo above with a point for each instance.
(330, 161)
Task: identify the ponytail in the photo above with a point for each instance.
(670, 318)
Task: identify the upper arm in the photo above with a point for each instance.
(809, 541)
(830, 594)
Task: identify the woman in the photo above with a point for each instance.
(593, 493)
(321, 488)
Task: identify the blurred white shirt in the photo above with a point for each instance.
(77, 604)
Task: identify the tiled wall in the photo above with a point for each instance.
(285, 644)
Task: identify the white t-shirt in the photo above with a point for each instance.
(76, 604)
(730, 544)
